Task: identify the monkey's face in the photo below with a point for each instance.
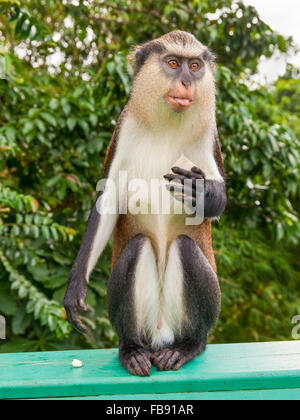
(173, 74)
(184, 73)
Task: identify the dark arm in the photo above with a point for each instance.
(215, 198)
(75, 296)
(98, 231)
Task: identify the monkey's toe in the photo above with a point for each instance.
(167, 359)
(136, 361)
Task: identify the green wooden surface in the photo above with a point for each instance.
(267, 368)
(292, 394)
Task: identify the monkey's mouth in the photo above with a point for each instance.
(180, 101)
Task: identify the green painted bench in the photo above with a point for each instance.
(224, 371)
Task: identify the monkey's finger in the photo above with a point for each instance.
(176, 178)
(188, 190)
(79, 326)
(131, 369)
(186, 199)
(198, 171)
(186, 173)
(175, 188)
(136, 367)
(154, 357)
(180, 363)
(158, 356)
(163, 362)
(182, 180)
(183, 189)
(146, 358)
(143, 365)
(173, 359)
(71, 315)
(75, 320)
(195, 172)
(180, 198)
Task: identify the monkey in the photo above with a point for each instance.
(163, 293)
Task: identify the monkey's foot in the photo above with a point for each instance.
(174, 357)
(168, 358)
(136, 360)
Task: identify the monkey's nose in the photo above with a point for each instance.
(186, 83)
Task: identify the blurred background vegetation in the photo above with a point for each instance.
(66, 80)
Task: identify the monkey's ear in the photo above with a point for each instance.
(139, 55)
(210, 58)
(132, 57)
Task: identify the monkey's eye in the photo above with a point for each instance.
(173, 63)
(195, 66)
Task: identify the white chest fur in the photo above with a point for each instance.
(148, 154)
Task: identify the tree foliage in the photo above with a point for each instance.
(66, 81)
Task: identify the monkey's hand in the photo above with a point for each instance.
(186, 184)
(74, 301)
(188, 192)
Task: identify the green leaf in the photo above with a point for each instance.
(7, 303)
(21, 321)
(66, 108)
(71, 123)
(41, 126)
(35, 231)
(10, 133)
(27, 127)
(54, 103)
(45, 232)
(49, 118)
(84, 125)
(93, 119)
